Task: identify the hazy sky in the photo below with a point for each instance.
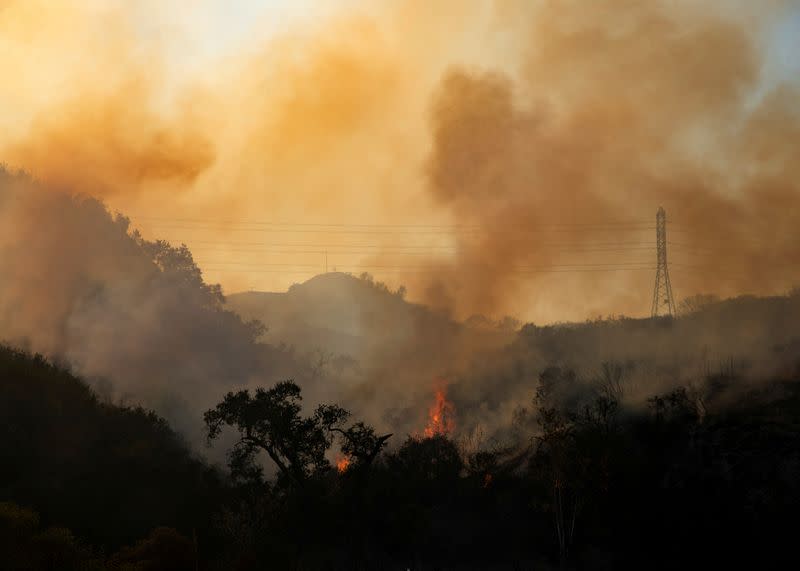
(215, 28)
(241, 127)
(784, 53)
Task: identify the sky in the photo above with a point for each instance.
(279, 139)
(784, 53)
(216, 28)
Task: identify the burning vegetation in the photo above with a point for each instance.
(343, 464)
(441, 415)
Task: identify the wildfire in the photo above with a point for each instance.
(441, 416)
(342, 464)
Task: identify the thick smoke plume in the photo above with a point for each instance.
(619, 107)
(547, 124)
(543, 145)
(132, 316)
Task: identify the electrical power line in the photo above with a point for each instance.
(352, 269)
(430, 267)
(403, 241)
(230, 223)
(386, 232)
(578, 245)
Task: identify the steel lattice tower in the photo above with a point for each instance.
(662, 294)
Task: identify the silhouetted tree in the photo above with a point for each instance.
(572, 443)
(270, 420)
(697, 302)
(361, 443)
(434, 460)
(611, 379)
(141, 474)
(164, 549)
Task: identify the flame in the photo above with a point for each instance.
(342, 464)
(441, 416)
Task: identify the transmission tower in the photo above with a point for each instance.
(663, 302)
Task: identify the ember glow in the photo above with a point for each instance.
(441, 416)
(342, 464)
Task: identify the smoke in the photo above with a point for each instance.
(533, 128)
(122, 146)
(133, 317)
(87, 106)
(320, 122)
(542, 134)
(618, 108)
(103, 103)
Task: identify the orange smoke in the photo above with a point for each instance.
(343, 464)
(441, 416)
(564, 124)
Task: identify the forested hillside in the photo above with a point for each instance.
(422, 442)
(110, 474)
(586, 482)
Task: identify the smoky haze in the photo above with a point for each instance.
(549, 148)
(422, 235)
(619, 107)
(134, 317)
(542, 156)
(137, 320)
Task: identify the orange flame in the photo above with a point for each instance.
(342, 464)
(441, 416)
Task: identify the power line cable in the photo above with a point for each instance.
(385, 232)
(349, 269)
(228, 223)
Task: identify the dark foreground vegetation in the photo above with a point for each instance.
(698, 478)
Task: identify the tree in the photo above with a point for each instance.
(612, 379)
(165, 549)
(25, 546)
(361, 442)
(696, 303)
(433, 460)
(572, 445)
(270, 420)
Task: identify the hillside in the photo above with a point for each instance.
(749, 339)
(338, 313)
(372, 350)
(110, 474)
(132, 317)
(399, 350)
